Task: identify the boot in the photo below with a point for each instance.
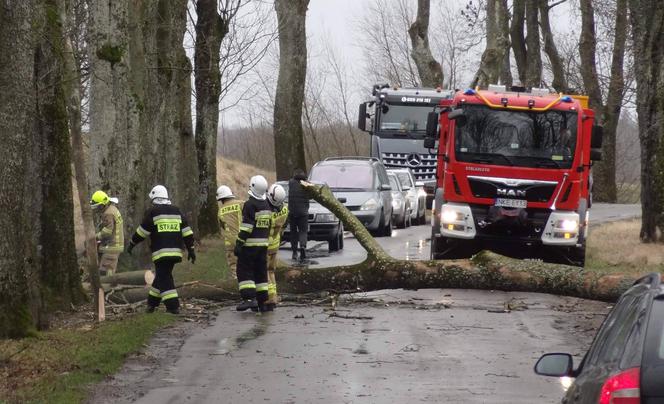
(270, 306)
(303, 254)
(294, 254)
(174, 310)
(247, 304)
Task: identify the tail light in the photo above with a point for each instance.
(622, 388)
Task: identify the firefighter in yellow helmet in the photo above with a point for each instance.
(230, 217)
(276, 195)
(110, 234)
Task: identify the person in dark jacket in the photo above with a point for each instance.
(298, 213)
(168, 230)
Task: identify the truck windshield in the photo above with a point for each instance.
(520, 138)
(344, 176)
(404, 118)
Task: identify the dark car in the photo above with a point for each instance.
(323, 225)
(625, 363)
(363, 185)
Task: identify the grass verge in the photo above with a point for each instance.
(210, 264)
(59, 366)
(615, 248)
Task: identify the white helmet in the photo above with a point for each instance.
(224, 192)
(158, 191)
(257, 187)
(276, 194)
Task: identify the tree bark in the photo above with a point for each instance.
(288, 132)
(140, 106)
(647, 22)
(518, 39)
(430, 71)
(210, 31)
(497, 44)
(534, 67)
(587, 51)
(559, 82)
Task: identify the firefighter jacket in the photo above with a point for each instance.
(167, 229)
(277, 227)
(255, 227)
(230, 217)
(111, 232)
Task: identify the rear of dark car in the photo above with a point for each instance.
(652, 362)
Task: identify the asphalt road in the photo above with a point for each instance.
(447, 346)
(413, 243)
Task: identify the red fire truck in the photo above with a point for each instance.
(514, 174)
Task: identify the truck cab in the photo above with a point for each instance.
(397, 119)
(513, 174)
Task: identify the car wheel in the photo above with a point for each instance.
(341, 239)
(388, 227)
(333, 245)
(401, 222)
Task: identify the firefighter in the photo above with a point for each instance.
(110, 237)
(251, 247)
(230, 217)
(276, 195)
(167, 229)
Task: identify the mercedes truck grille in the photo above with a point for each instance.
(423, 166)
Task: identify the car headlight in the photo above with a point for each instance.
(371, 204)
(450, 216)
(568, 225)
(326, 217)
(396, 203)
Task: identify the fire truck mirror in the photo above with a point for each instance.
(459, 116)
(596, 154)
(596, 137)
(432, 125)
(362, 118)
(429, 143)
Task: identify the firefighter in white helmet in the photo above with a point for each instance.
(110, 237)
(276, 195)
(168, 231)
(230, 217)
(251, 247)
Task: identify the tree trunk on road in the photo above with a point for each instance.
(210, 31)
(497, 44)
(288, 132)
(430, 71)
(647, 21)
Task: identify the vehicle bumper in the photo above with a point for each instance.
(369, 218)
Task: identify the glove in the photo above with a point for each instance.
(129, 248)
(192, 256)
(238, 249)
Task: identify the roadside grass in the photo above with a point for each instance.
(236, 175)
(59, 366)
(615, 248)
(210, 264)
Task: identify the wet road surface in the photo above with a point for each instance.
(452, 346)
(413, 243)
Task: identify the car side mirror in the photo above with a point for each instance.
(432, 125)
(458, 115)
(430, 143)
(385, 187)
(342, 200)
(597, 137)
(362, 117)
(555, 365)
(596, 154)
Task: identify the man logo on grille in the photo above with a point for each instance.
(413, 160)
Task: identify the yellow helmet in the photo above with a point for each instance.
(99, 198)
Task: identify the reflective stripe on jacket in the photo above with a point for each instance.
(255, 226)
(279, 218)
(167, 229)
(230, 217)
(111, 233)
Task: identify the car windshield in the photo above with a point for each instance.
(404, 179)
(394, 183)
(404, 118)
(341, 175)
(520, 138)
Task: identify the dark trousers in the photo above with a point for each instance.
(299, 226)
(163, 286)
(252, 273)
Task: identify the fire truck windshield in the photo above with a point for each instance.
(520, 138)
(404, 118)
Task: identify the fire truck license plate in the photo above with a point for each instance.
(511, 203)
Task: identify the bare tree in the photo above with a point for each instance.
(497, 44)
(534, 66)
(288, 133)
(430, 71)
(557, 68)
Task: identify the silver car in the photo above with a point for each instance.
(414, 192)
(400, 204)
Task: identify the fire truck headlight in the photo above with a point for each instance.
(568, 225)
(449, 216)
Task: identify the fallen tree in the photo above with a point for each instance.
(379, 270)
